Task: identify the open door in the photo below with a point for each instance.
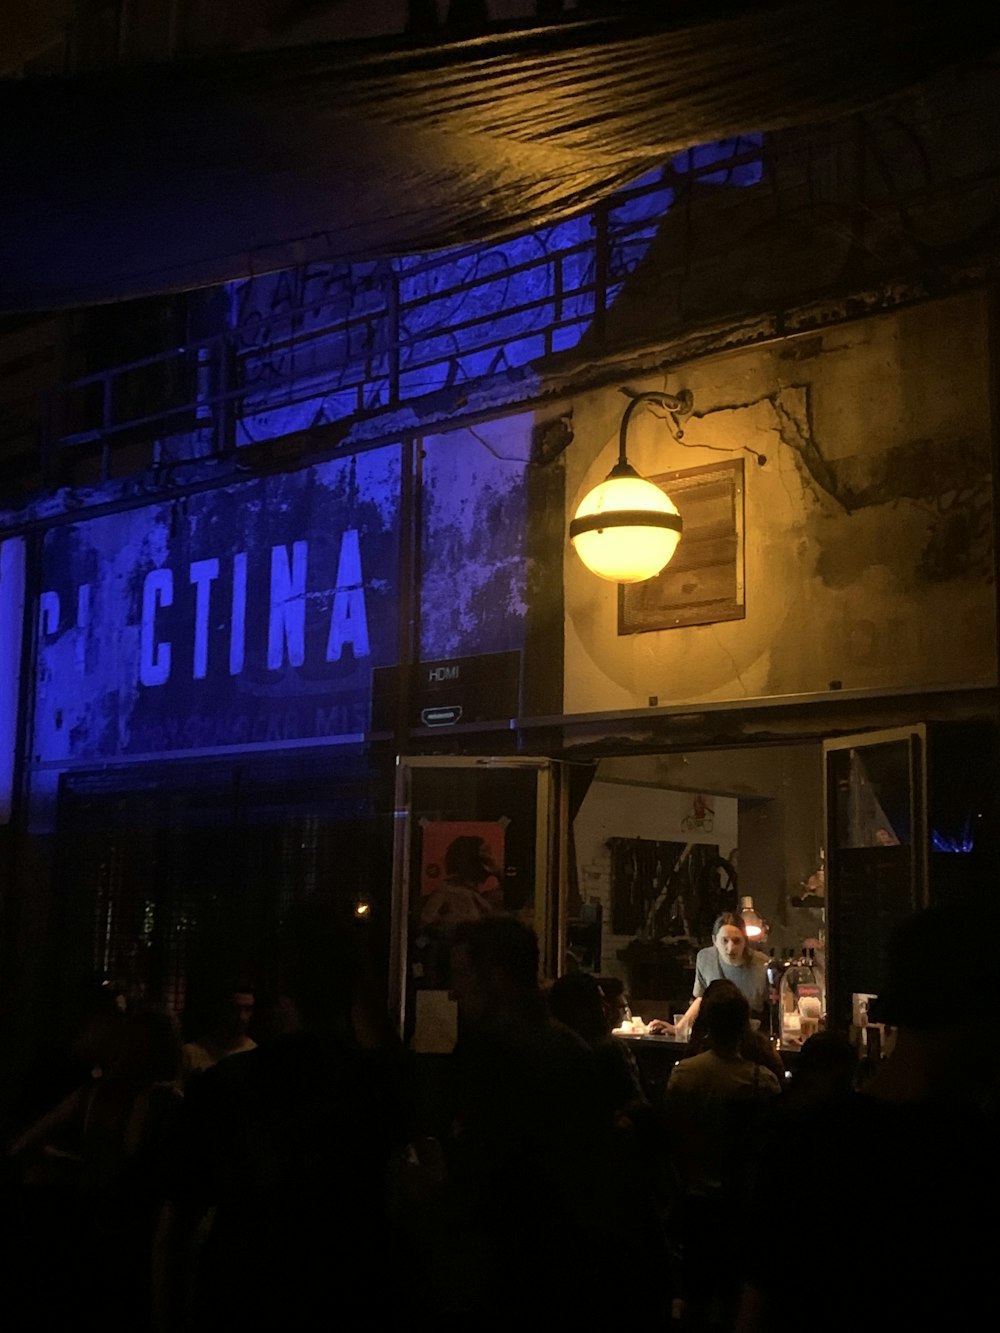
(875, 788)
(473, 837)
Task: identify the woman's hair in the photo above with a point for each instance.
(576, 1000)
(724, 1014)
(729, 919)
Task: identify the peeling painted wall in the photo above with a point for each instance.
(473, 565)
(255, 614)
(295, 613)
(868, 530)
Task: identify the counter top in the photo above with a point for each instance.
(660, 1038)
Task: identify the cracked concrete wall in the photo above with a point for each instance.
(868, 550)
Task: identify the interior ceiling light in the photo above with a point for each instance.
(756, 926)
(627, 529)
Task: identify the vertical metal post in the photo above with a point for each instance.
(46, 433)
(993, 391)
(408, 650)
(173, 28)
(123, 21)
(225, 436)
(106, 423)
(602, 264)
(390, 281)
(408, 639)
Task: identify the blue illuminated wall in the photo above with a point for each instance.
(255, 614)
(12, 578)
(245, 616)
(474, 514)
(314, 343)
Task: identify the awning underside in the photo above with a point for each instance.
(185, 175)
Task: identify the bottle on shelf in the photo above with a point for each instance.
(775, 972)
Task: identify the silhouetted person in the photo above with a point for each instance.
(639, 1144)
(826, 1071)
(530, 1154)
(78, 1054)
(577, 1000)
(906, 1168)
(616, 1006)
(754, 1046)
(109, 1139)
(712, 1111)
(284, 1152)
(228, 1034)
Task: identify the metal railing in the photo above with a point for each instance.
(378, 335)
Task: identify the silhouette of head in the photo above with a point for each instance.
(725, 1014)
(826, 1066)
(469, 859)
(615, 1001)
(233, 1009)
(494, 968)
(576, 1000)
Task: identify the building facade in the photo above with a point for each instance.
(288, 604)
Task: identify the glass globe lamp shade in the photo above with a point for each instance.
(626, 529)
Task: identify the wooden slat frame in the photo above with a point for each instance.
(704, 583)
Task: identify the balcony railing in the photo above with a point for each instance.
(323, 344)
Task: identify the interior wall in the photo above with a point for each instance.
(768, 816)
(630, 806)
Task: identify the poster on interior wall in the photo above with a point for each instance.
(662, 888)
(246, 616)
(461, 871)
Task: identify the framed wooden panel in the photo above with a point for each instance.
(704, 582)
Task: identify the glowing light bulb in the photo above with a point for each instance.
(626, 529)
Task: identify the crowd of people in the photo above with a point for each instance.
(308, 1180)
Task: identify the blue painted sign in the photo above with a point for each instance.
(250, 615)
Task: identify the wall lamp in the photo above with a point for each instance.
(627, 529)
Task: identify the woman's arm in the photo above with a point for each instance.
(684, 1026)
(36, 1134)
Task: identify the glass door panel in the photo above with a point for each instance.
(876, 815)
(473, 838)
